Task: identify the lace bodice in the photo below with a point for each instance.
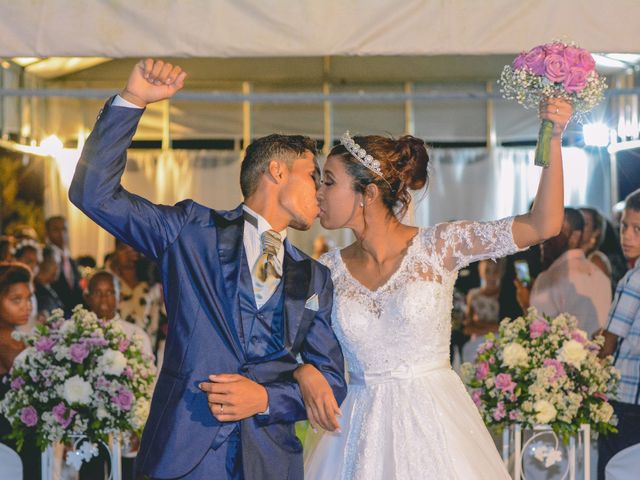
(407, 321)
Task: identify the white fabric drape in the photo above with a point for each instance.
(465, 184)
(244, 28)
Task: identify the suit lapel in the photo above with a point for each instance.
(297, 278)
(230, 250)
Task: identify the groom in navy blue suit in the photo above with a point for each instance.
(242, 303)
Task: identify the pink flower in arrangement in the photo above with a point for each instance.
(491, 360)
(62, 415)
(538, 327)
(557, 364)
(555, 68)
(475, 396)
(505, 383)
(601, 396)
(482, 370)
(485, 346)
(578, 337)
(102, 383)
(500, 412)
(78, 352)
(513, 415)
(576, 80)
(17, 383)
(579, 58)
(29, 416)
(124, 399)
(534, 60)
(45, 344)
(555, 48)
(128, 372)
(123, 345)
(519, 62)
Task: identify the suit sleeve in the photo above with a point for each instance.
(321, 349)
(97, 191)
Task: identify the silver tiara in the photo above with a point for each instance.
(361, 154)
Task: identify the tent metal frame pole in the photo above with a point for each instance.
(247, 127)
(409, 111)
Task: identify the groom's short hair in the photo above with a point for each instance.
(272, 147)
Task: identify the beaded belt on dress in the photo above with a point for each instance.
(404, 372)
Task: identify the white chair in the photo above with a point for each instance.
(10, 464)
(624, 465)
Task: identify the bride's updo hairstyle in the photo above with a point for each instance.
(403, 164)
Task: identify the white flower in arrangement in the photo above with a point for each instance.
(112, 362)
(21, 360)
(573, 353)
(77, 390)
(545, 412)
(514, 355)
(67, 327)
(140, 413)
(101, 413)
(605, 412)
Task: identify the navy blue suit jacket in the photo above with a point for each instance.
(199, 250)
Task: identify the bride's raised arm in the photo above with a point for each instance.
(464, 242)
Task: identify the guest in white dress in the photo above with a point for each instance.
(407, 414)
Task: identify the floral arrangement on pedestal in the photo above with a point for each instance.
(558, 70)
(77, 377)
(543, 371)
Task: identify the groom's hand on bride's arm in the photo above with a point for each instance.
(151, 81)
(233, 397)
(319, 401)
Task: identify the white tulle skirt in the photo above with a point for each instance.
(420, 425)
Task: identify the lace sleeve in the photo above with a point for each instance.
(464, 242)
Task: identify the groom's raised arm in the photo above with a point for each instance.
(96, 188)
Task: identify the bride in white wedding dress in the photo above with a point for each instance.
(407, 415)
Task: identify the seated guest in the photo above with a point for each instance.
(102, 297)
(622, 340)
(29, 252)
(570, 283)
(15, 309)
(6, 248)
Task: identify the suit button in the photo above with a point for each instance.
(260, 316)
(254, 340)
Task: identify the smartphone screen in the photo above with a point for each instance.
(522, 272)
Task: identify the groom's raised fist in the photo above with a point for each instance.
(153, 80)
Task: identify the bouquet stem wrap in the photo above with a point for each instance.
(543, 148)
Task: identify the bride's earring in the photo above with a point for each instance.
(361, 204)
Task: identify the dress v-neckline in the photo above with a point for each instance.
(389, 280)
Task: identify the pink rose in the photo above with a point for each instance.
(475, 396)
(578, 337)
(482, 370)
(579, 57)
(538, 327)
(45, 344)
(485, 346)
(505, 383)
(62, 415)
(500, 412)
(123, 345)
(555, 48)
(29, 416)
(17, 383)
(78, 352)
(601, 396)
(576, 80)
(534, 60)
(555, 68)
(557, 365)
(124, 399)
(519, 62)
(513, 415)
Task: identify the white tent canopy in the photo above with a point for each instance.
(244, 28)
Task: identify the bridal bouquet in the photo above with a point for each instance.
(543, 371)
(553, 70)
(77, 377)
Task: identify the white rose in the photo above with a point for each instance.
(514, 355)
(77, 390)
(573, 353)
(112, 362)
(66, 327)
(605, 412)
(545, 412)
(102, 413)
(140, 413)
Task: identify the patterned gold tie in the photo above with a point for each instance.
(267, 272)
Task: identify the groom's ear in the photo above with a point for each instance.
(277, 171)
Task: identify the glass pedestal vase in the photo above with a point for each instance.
(538, 453)
(84, 450)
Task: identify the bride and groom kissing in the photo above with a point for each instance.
(244, 305)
